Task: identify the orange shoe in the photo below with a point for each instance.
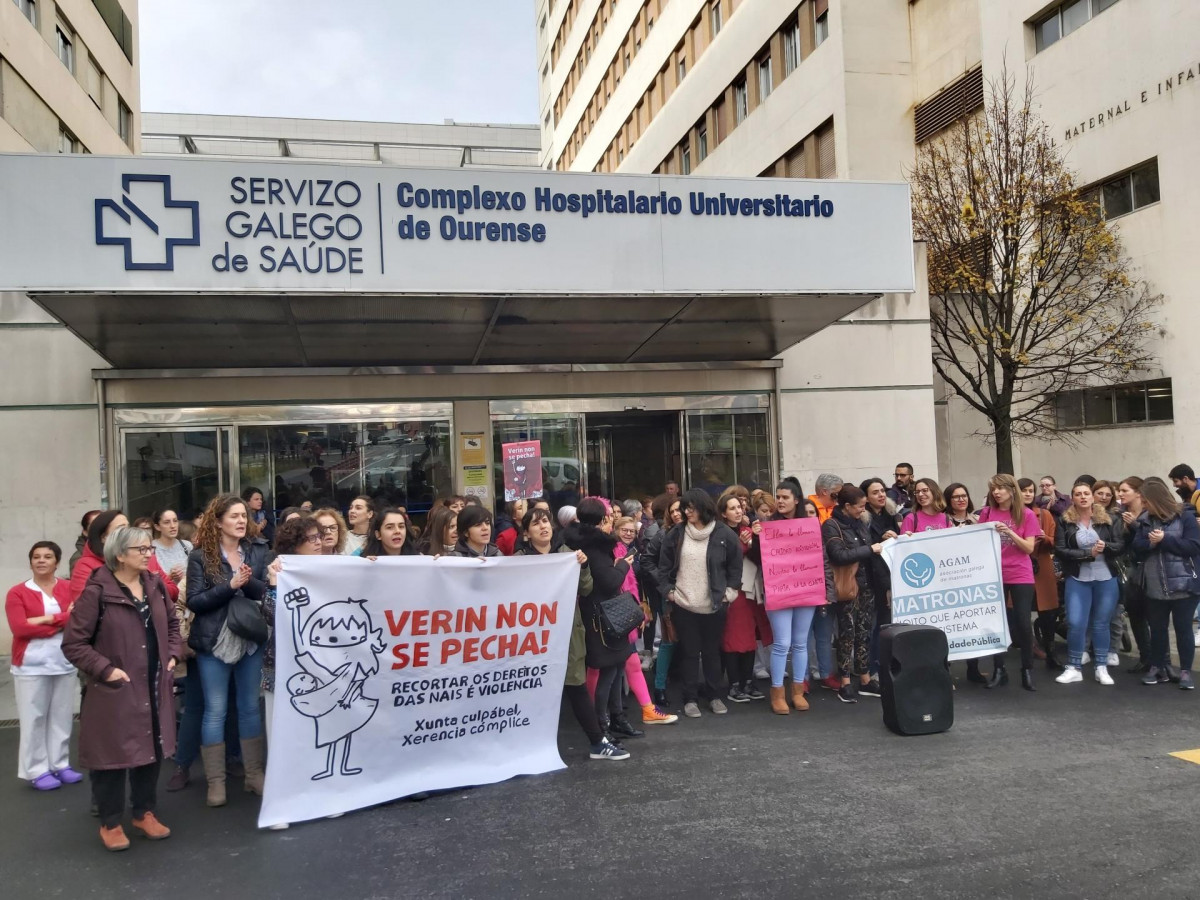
(149, 826)
(114, 838)
(779, 704)
(652, 715)
(798, 700)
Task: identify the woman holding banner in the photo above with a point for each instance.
(1088, 543)
(475, 534)
(389, 535)
(293, 537)
(538, 539)
(789, 626)
(882, 518)
(1019, 530)
(607, 573)
(850, 549)
(441, 532)
(930, 512)
(1045, 577)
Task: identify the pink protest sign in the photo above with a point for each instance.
(792, 565)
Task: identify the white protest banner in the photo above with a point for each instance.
(413, 674)
(951, 579)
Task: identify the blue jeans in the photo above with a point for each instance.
(824, 621)
(1090, 605)
(790, 628)
(187, 745)
(247, 680)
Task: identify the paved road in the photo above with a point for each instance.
(1068, 792)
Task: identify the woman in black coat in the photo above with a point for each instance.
(608, 575)
(848, 542)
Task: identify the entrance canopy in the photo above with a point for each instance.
(197, 263)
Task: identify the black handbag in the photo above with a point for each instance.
(245, 619)
(617, 616)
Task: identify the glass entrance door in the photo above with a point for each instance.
(727, 448)
(561, 437)
(179, 468)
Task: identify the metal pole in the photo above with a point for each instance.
(101, 417)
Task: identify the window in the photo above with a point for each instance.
(67, 142)
(1126, 192)
(680, 68)
(1122, 404)
(29, 9)
(821, 17)
(66, 48)
(826, 159)
(720, 124)
(95, 82)
(764, 78)
(685, 159)
(124, 123)
(701, 142)
(741, 102)
(791, 49)
(1065, 18)
(714, 17)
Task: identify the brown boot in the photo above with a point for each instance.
(149, 825)
(213, 757)
(252, 759)
(114, 838)
(798, 700)
(779, 701)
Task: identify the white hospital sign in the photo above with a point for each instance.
(121, 224)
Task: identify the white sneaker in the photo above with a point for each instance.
(278, 826)
(1102, 675)
(1087, 658)
(1114, 659)
(1070, 675)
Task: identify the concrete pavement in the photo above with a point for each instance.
(1069, 792)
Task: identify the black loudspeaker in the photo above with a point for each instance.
(914, 675)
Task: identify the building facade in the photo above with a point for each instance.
(68, 85)
(848, 89)
(780, 88)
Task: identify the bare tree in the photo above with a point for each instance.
(1030, 290)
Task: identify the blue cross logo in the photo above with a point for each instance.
(148, 222)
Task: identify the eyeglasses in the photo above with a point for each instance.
(144, 550)
(327, 529)
(901, 474)
(922, 491)
(313, 538)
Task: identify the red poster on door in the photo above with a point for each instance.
(793, 566)
(522, 470)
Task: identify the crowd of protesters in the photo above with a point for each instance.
(162, 607)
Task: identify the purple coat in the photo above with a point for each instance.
(116, 725)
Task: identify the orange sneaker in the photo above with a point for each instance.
(652, 715)
(151, 827)
(114, 838)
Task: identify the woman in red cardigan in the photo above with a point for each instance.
(93, 555)
(44, 681)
